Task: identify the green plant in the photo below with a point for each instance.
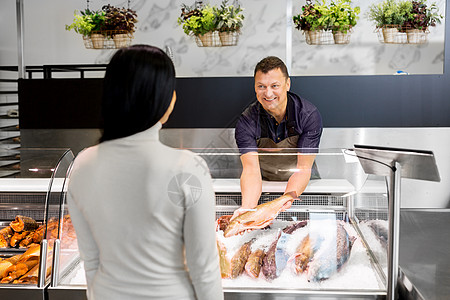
(197, 20)
(228, 17)
(119, 18)
(313, 17)
(390, 12)
(342, 16)
(421, 16)
(87, 21)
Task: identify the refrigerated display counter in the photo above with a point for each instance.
(343, 211)
(29, 205)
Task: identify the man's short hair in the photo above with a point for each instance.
(271, 63)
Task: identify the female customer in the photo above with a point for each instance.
(143, 212)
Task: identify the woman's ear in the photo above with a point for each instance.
(169, 110)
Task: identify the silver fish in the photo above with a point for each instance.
(331, 254)
(380, 230)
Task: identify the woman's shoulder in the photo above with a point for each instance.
(191, 161)
(85, 159)
(86, 154)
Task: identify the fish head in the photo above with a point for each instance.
(236, 227)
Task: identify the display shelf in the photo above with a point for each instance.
(31, 197)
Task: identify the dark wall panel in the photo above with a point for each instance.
(60, 103)
(210, 102)
(358, 101)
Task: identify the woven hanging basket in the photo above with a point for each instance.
(229, 38)
(396, 34)
(217, 39)
(108, 39)
(318, 37)
(341, 38)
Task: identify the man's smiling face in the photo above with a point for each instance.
(271, 91)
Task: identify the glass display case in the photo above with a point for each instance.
(331, 242)
(29, 204)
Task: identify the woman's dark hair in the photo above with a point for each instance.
(137, 90)
(271, 63)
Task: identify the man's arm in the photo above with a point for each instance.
(251, 182)
(299, 180)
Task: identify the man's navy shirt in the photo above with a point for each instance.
(307, 123)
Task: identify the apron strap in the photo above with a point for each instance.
(290, 122)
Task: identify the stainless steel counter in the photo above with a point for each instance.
(425, 253)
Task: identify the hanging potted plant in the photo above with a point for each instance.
(342, 19)
(420, 18)
(389, 17)
(119, 23)
(229, 23)
(313, 21)
(89, 23)
(200, 21)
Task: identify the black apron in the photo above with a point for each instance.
(278, 167)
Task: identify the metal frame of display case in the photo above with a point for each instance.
(396, 163)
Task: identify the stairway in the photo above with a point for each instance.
(9, 123)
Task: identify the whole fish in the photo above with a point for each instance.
(232, 268)
(262, 216)
(254, 263)
(240, 259)
(275, 258)
(303, 255)
(269, 266)
(380, 229)
(225, 263)
(333, 252)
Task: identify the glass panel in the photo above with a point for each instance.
(56, 222)
(371, 215)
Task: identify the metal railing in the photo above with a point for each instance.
(47, 71)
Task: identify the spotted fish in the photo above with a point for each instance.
(234, 266)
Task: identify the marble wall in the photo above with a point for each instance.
(264, 33)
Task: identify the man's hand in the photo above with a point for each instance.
(293, 196)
